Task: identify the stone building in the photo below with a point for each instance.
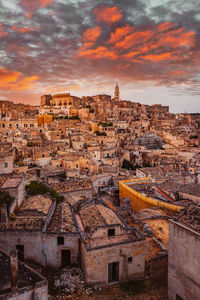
(108, 245)
(6, 161)
(19, 281)
(184, 255)
(43, 232)
(15, 187)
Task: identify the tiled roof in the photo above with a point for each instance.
(62, 219)
(190, 217)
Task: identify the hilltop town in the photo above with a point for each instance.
(102, 192)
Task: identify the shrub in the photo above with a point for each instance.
(5, 198)
(39, 188)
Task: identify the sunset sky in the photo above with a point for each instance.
(151, 47)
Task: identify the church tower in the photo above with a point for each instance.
(117, 92)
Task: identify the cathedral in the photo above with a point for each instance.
(116, 97)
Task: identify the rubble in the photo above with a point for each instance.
(71, 280)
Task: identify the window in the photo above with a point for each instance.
(111, 232)
(3, 125)
(60, 240)
(6, 165)
(10, 125)
(130, 259)
(17, 125)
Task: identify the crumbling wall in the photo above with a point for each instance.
(158, 268)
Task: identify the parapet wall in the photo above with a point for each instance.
(139, 201)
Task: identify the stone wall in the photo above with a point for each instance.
(39, 292)
(40, 247)
(183, 267)
(98, 259)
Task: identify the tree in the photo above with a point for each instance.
(5, 198)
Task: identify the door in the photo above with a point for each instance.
(113, 272)
(65, 258)
(20, 251)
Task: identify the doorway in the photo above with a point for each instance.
(65, 258)
(113, 272)
(20, 251)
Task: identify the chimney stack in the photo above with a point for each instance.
(14, 270)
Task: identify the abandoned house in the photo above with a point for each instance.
(184, 255)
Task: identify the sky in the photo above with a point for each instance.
(150, 47)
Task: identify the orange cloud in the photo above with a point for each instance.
(100, 52)
(22, 29)
(177, 38)
(166, 26)
(134, 39)
(31, 6)
(164, 42)
(92, 34)
(160, 57)
(13, 80)
(3, 32)
(108, 14)
(120, 33)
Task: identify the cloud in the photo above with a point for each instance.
(162, 42)
(23, 29)
(108, 14)
(31, 6)
(120, 33)
(92, 34)
(3, 31)
(14, 80)
(67, 42)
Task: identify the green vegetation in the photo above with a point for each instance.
(39, 188)
(145, 165)
(5, 198)
(30, 144)
(20, 163)
(32, 166)
(110, 124)
(129, 166)
(100, 133)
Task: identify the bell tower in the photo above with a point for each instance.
(117, 92)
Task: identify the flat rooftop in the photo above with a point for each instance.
(12, 183)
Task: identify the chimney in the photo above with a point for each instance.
(14, 270)
(3, 214)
